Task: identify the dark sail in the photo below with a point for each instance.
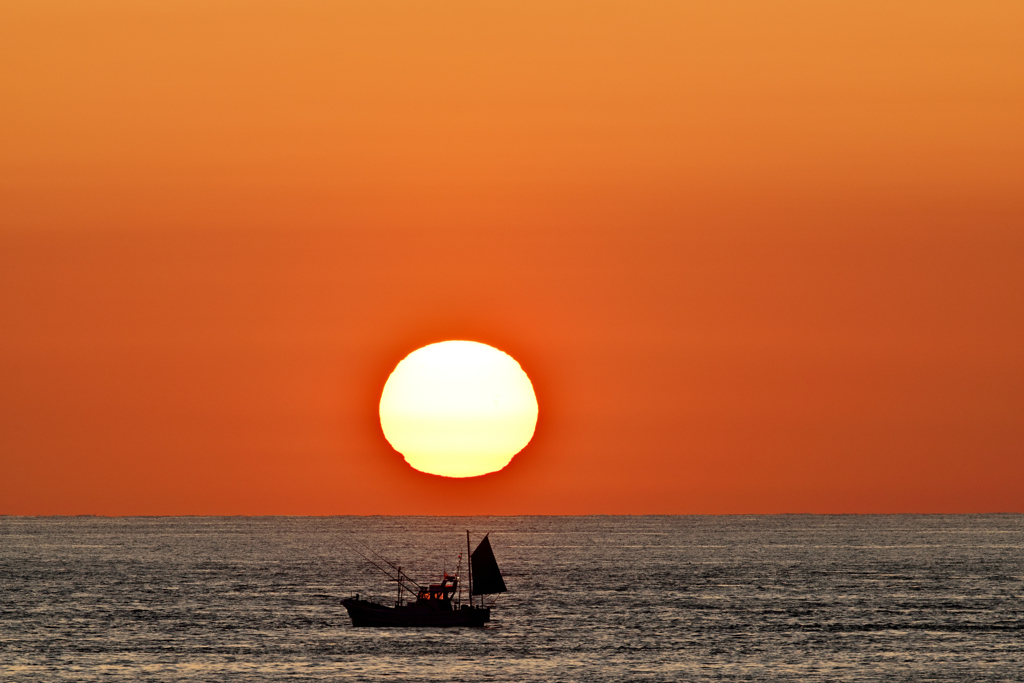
(486, 575)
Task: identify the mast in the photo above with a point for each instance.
(398, 603)
(470, 563)
(458, 577)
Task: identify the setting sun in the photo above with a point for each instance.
(458, 409)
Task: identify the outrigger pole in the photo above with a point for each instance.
(382, 559)
(400, 578)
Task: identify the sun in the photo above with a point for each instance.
(458, 409)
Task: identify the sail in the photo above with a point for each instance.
(486, 575)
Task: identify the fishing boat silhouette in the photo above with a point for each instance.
(436, 604)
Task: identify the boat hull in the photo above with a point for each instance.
(365, 613)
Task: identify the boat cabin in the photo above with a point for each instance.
(437, 593)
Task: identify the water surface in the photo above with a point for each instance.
(846, 598)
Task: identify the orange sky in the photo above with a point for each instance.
(756, 257)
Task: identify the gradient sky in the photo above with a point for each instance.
(755, 257)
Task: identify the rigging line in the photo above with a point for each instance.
(401, 579)
(379, 568)
(381, 558)
(401, 576)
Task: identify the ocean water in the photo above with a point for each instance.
(758, 598)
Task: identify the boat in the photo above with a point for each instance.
(436, 604)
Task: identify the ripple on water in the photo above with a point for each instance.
(591, 598)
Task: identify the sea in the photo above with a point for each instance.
(601, 598)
